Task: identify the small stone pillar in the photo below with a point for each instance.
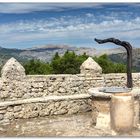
(13, 84)
(90, 67)
(92, 73)
(13, 70)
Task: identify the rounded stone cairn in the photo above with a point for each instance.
(122, 112)
(13, 70)
(90, 67)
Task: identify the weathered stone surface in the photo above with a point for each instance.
(136, 113)
(18, 115)
(44, 112)
(101, 112)
(13, 70)
(102, 105)
(61, 90)
(10, 109)
(3, 111)
(1, 116)
(73, 110)
(51, 89)
(61, 111)
(3, 107)
(90, 66)
(57, 104)
(17, 108)
(4, 94)
(103, 121)
(30, 114)
(122, 113)
(9, 115)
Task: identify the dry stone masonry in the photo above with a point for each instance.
(13, 70)
(27, 96)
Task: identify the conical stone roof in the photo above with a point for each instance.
(13, 70)
(91, 66)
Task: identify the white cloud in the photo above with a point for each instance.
(32, 7)
(68, 29)
(90, 15)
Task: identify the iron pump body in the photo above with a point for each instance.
(128, 48)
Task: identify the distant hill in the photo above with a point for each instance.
(46, 52)
(121, 58)
(6, 53)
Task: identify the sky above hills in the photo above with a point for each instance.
(25, 25)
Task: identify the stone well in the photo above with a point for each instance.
(101, 107)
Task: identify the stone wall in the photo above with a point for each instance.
(119, 79)
(27, 96)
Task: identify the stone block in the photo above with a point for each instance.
(9, 115)
(10, 109)
(62, 90)
(1, 116)
(18, 115)
(44, 112)
(60, 112)
(3, 111)
(17, 108)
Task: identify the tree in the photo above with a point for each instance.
(56, 56)
(69, 63)
(108, 66)
(37, 67)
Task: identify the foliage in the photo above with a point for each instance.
(37, 67)
(70, 63)
(108, 66)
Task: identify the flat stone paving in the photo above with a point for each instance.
(56, 126)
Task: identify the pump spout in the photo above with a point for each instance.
(128, 48)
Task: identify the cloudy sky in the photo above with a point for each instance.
(25, 25)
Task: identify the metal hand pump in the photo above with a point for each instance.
(128, 48)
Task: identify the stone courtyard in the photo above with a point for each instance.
(57, 126)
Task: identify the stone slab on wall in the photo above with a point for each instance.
(31, 110)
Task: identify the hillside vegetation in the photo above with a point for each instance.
(121, 58)
(70, 63)
(46, 54)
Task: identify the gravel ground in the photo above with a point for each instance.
(56, 126)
